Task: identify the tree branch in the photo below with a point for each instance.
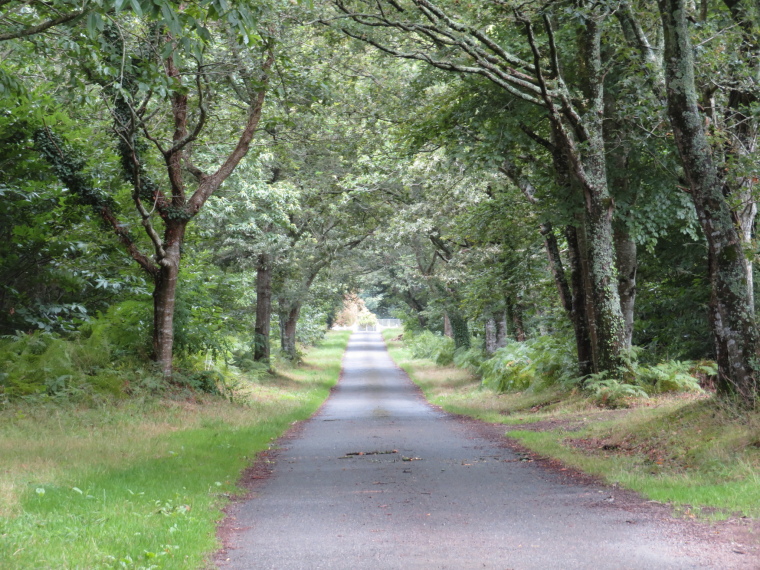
(30, 31)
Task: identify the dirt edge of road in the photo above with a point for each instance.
(253, 477)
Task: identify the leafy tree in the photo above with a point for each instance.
(162, 99)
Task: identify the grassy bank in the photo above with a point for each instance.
(688, 450)
(140, 483)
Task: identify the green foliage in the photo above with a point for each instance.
(674, 376)
(637, 381)
(41, 363)
(206, 381)
(312, 325)
(438, 348)
(510, 368)
(612, 392)
(103, 357)
(470, 358)
(536, 363)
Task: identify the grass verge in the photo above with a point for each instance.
(141, 483)
(693, 452)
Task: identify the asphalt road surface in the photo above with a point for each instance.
(379, 479)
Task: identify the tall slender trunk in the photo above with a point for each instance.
(288, 322)
(460, 330)
(578, 302)
(588, 298)
(732, 318)
(579, 312)
(261, 343)
(514, 316)
(625, 255)
(743, 124)
(495, 331)
(447, 329)
(589, 167)
(601, 257)
(164, 298)
(555, 265)
(490, 334)
(501, 329)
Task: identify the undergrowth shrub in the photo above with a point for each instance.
(439, 349)
(470, 358)
(43, 364)
(535, 363)
(510, 368)
(674, 376)
(615, 390)
(611, 392)
(106, 357)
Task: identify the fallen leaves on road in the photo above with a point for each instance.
(360, 453)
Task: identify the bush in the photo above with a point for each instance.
(510, 368)
(611, 392)
(439, 349)
(614, 391)
(470, 358)
(535, 363)
(673, 376)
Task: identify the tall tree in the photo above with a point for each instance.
(181, 92)
(731, 314)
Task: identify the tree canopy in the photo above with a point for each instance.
(217, 174)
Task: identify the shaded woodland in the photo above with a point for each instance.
(190, 191)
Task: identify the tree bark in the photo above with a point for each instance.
(501, 329)
(447, 329)
(579, 312)
(625, 256)
(555, 264)
(743, 125)
(164, 296)
(490, 334)
(514, 315)
(732, 318)
(261, 343)
(288, 323)
(591, 170)
(496, 331)
(460, 330)
(417, 306)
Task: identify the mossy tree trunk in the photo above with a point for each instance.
(732, 317)
(460, 330)
(289, 314)
(590, 168)
(261, 342)
(515, 318)
(578, 305)
(627, 267)
(495, 331)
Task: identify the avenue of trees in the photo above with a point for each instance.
(199, 179)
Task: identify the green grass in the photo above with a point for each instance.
(693, 452)
(141, 483)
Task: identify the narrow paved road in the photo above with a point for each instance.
(446, 498)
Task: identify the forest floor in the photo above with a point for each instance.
(379, 478)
